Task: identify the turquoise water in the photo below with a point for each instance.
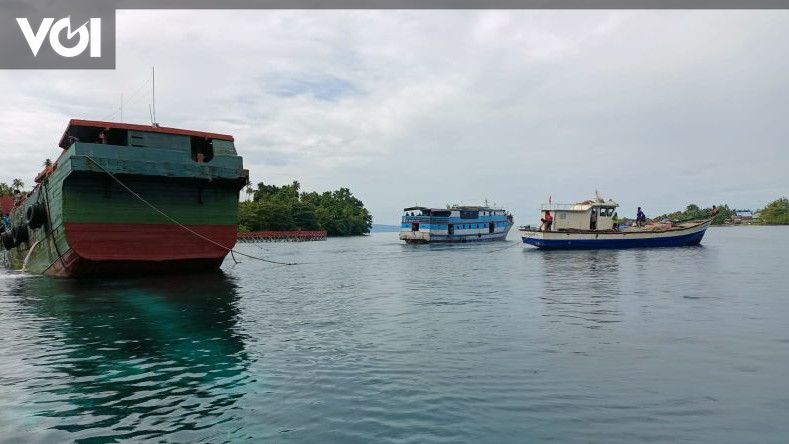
(370, 340)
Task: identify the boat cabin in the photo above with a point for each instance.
(595, 215)
(201, 146)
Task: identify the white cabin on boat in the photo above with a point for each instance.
(596, 214)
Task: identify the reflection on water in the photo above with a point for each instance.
(124, 355)
(581, 286)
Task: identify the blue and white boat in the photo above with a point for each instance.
(454, 224)
(590, 225)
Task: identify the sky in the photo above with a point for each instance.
(657, 109)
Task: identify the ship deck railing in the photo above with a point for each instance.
(425, 219)
(560, 206)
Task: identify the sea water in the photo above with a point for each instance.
(371, 340)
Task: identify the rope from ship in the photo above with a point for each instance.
(184, 227)
(514, 244)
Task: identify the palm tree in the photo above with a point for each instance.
(47, 163)
(249, 192)
(17, 184)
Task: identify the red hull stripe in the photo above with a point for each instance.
(148, 242)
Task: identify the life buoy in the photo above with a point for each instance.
(36, 215)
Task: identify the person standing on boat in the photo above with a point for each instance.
(547, 221)
(714, 211)
(641, 218)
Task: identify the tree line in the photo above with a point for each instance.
(775, 213)
(287, 208)
(9, 190)
(17, 185)
(694, 212)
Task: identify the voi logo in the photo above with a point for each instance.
(89, 35)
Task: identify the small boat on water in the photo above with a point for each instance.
(455, 224)
(590, 225)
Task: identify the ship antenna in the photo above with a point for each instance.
(153, 96)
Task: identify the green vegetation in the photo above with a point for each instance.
(776, 212)
(6, 190)
(694, 212)
(285, 208)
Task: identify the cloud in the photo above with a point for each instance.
(654, 108)
(327, 88)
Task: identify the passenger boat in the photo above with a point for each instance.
(454, 224)
(590, 225)
(125, 198)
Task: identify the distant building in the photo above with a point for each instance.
(742, 217)
(6, 203)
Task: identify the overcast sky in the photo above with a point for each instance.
(652, 108)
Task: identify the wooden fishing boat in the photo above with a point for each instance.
(125, 198)
(590, 225)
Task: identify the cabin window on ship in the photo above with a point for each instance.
(202, 149)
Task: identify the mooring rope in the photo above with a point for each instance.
(179, 224)
(514, 244)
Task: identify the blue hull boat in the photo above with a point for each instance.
(421, 225)
(684, 234)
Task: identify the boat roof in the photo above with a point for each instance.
(579, 206)
(74, 126)
(456, 207)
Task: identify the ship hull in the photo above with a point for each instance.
(420, 237)
(112, 249)
(71, 265)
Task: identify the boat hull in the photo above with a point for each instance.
(72, 265)
(635, 239)
(420, 237)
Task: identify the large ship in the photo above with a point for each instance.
(454, 224)
(125, 198)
